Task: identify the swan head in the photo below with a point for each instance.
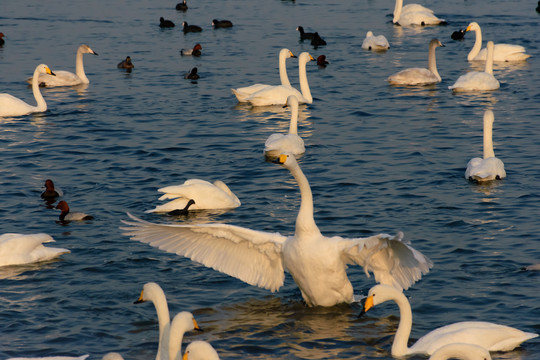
(85, 49)
(305, 57)
(287, 160)
(379, 294)
(186, 321)
(473, 27)
(150, 292)
(286, 53)
(44, 69)
(436, 42)
(200, 350)
(369, 34)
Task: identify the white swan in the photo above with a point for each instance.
(291, 142)
(108, 356)
(200, 350)
(277, 95)
(19, 249)
(67, 78)
(478, 80)
(170, 334)
(490, 167)
(244, 92)
(461, 351)
(317, 263)
(501, 52)
(414, 14)
(207, 196)
(493, 337)
(420, 76)
(375, 43)
(12, 106)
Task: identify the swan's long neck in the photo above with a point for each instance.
(283, 70)
(477, 45)
(305, 223)
(488, 136)
(293, 127)
(304, 85)
(399, 347)
(79, 67)
(489, 58)
(162, 309)
(41, 104)
(176, 336)
(432, 61)
(397, 10)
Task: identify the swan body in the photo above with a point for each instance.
(489, 168)
(67, 78)
(20, 249)
(478, 80)
(12, 106)
(490, 336)
(461, 351)
(376, 43)
(420, 76)
(207, 196)
(200, 350)
(67, 215)
(108, 356)
(501, 52)
(317, 263)
(291, 142)
(243, 93)
(414, 14)
(277, 95)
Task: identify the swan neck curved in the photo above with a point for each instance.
(397, 10)
(477, 45)
(432, 60)
(41, 104)
(293, 127)
(79, 67)
(399, 346)
(489, 58)
(283, 70)
(304, 85)
(488, 137)
(305, 223)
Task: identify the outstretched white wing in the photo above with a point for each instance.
(392, 261)
(249, 255)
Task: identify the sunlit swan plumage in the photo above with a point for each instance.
(420, 76)
(243, 93)
(277, 95)
(414, 14)
(12, 106)
(489, 167)
(478, 80)
(67, 78)
(376, 43)
(461, 351)
(206, 195)
(501, 52)
(108, 356)
(200, 350)
(317, 263)
(19, 249)
(493, 337)
(290, 142)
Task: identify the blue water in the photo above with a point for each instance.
(379, 159)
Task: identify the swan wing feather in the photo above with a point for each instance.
(17, 249)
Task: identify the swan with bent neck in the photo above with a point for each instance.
(317, 263)
(501, 52)
(414, 14)
(12, 106)
(243, 93)
(478, 80)
(493, 337)
(420, 76)
(290, 142)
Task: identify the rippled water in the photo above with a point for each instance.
(379, 159)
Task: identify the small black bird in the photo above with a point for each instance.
(192, 75)
(304, 35)
(182, 6)
(317, 40)
(183, 211)
(125, 64)
(191, 28)
(458, 35)
(321, 61)
(221, 23)
(165, 23)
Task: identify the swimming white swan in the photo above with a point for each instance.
(244, 92)
(12, 106)
(19, 249)
(291, 142)
(200, 350)
(206, 195)
(420, 76)
(317, 263)
(461, 351)
(277, 95)
(501, 52)
(489, 168)
(414, 14)
(478, 80)
(375, 43)
(493, 337)
(67, 78)
(172, 333)
(108, 356)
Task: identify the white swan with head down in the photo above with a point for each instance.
(461, 351)
(277, 95)
(493, 337)
(375, 42)
(12, 106)
(501, 52)
(289, 143)
(489, 168)
(414, 14)
(200, 350)
(243, 93)
(317, 263)
(420, 76)
(478, 80)
(20, 249)
(67, 78)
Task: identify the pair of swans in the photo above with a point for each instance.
(501, 52)
(414, 14)
(489, 168)
(375, 42)
(479, 80)
(20, 249)
(420, 76)
(12, 106)
(207, 196)
(290, 142)
(317, 263)
(489, 336)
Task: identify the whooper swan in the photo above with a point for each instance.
(20, 249)
(375, 43)
(289, 143)
(501, 52)
(200, 350)
(478, 80)
(461, 351)
(414, 15)
(420, 76)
